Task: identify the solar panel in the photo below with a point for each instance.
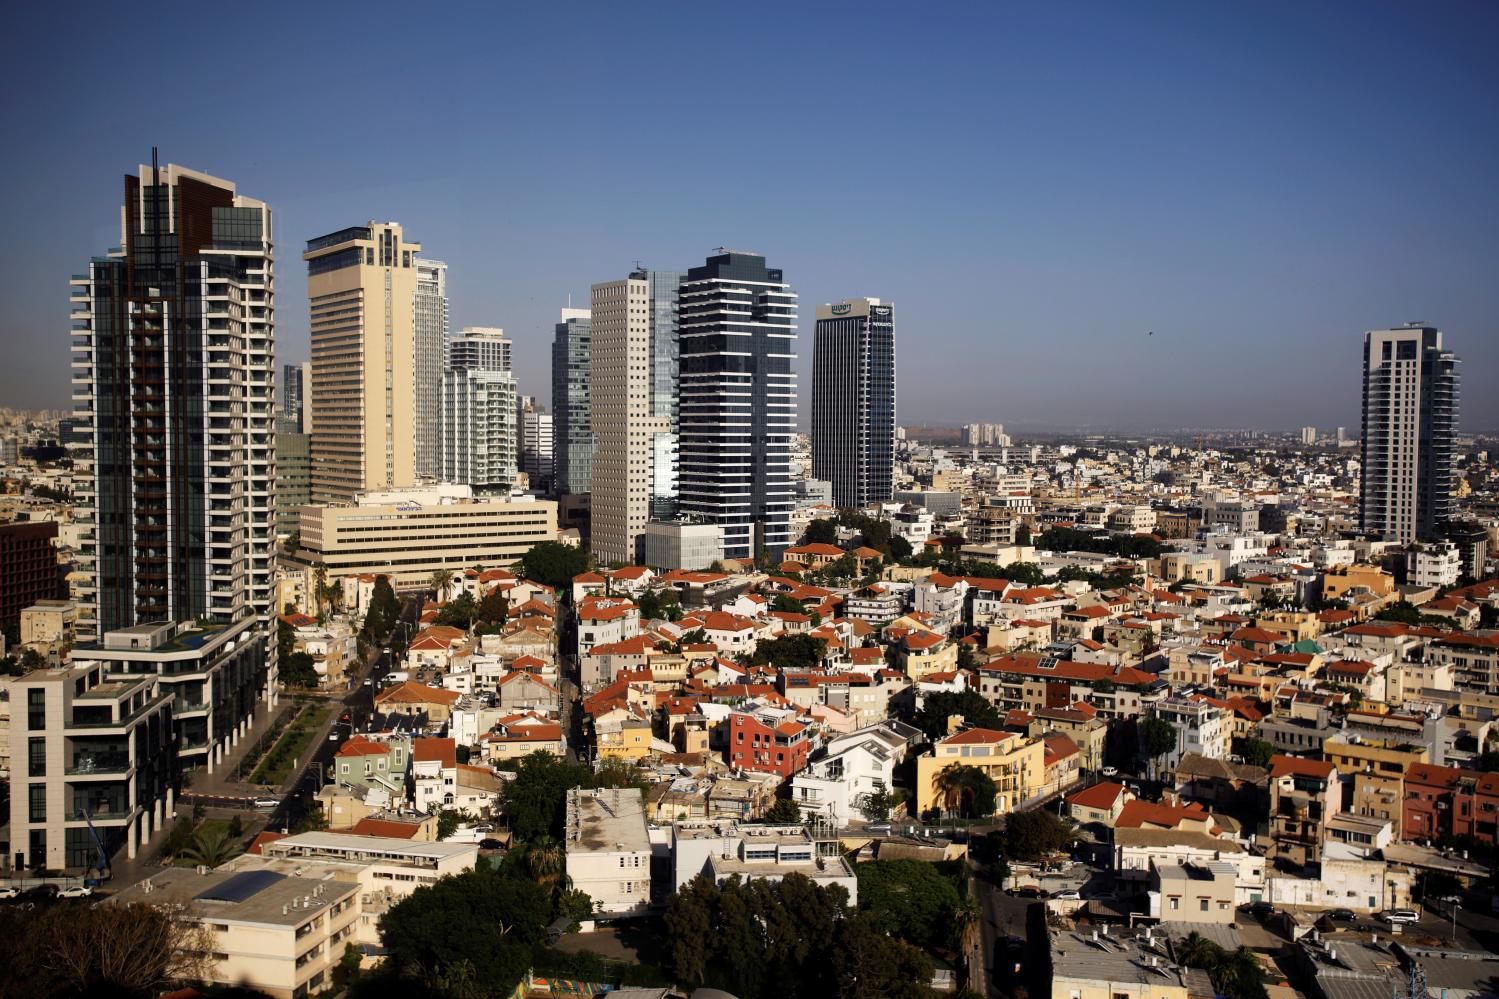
(239, 887)
(1047, 662)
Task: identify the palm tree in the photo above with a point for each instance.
(966, 919)
(440, 580)
(1197, 951)
(952, 786)
(544, 858)
(320, 576)
(212, 847)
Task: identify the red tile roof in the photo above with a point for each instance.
(1101, 796)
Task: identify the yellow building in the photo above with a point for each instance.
(1341, 581)
(1015, 763)
(1376, 769)
(924, 652)
(361, 284)
(625, 738)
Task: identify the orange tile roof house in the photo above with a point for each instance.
(1101, 803)
(412, 698)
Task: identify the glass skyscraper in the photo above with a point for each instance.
(572, 404)
(736, 320)
(853, 400)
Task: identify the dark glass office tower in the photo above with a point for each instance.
(1410, 426)
(853, 400)
(737, 331)
(572, 407)
(173, 372)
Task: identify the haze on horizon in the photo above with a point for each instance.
(1034, 188)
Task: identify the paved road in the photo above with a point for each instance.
(1001, 916)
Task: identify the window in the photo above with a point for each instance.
(36, 708)
(36, 764)
(1202, 904)
(1176, 903)
(38, 801)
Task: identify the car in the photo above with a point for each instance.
(1069, 895)
(40, 892)
(267, 802)
(1027, 891)
(1341, 915)
(1394, 916)
(484, 827)
(8, 892)
(491, 844)
(333, 736)
(1451, 899)
(1261, 909)
(1110, 771)
(75, 891)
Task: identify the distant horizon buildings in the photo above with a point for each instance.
(737, 326)
(534, 432)
(853, 400)
(295, 379)
(174, 380)
(985, 435)
(572, 403)
(362, 292)
(634, 385)
(1410, 413)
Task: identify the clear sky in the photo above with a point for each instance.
(1035, 186)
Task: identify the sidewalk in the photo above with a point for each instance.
(220, 782)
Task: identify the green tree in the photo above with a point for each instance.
(1023, 534)
(212, 847)
(492, 612)
(299, 670)
(900, 548)
(783, 812)
(347, 968)
(616, 772)
(458, 612)
(1025, 573)
(656, 605)
(790, 652)
(574, 903)
(1033, 834)
(787, 604)
(477, 928)
(908, 899)
(440, 580)
(384, 610)
(938, 707)
(286, 639)
(821, 532)
(534, 799)
(1157, 738)
(966, 791)
(545, 859)
(447, 823)
(553, 563)
(1257, 752)
(877, 805)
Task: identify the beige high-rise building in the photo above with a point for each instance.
(362, 287)
(634, 456)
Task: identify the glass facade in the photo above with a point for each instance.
(853, 401)
(572, 408)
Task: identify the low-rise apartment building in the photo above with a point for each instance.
(1015, 763)
(720, 850)
(273, 932)
(609, 849)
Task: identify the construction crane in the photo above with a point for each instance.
(103, 866)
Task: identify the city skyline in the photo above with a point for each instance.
(1287, 204)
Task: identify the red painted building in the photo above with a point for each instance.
(781, 748)
(1427, 812)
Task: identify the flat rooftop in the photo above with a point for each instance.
(1093, 955)
(606, 821)
(348, 846)
(271, 899)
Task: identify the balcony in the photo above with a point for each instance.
(86, 765)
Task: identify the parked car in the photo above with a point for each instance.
(75, 891)
(272, 803)
(1341, 915)
(1400, 916)
(8, 892)
(1028, 891)
(1260, 910)
(491, 844)
(40, 892)
(1110, 771)
(1069, 895)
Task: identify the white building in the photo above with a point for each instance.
(1200, 728)
(848, 769)
(480, 444)
(720, 849)
(1437, 564)
(609, 849)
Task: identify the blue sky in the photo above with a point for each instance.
(1034, 186)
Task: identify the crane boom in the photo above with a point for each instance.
(104, 871)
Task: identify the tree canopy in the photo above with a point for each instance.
(1070, 539)
(938, 707)
(790, 652)
(909, 899)
(821, 532)
(792, 939)
(1033, 834)
(477, 928)
(384, 610)
(553, 563)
